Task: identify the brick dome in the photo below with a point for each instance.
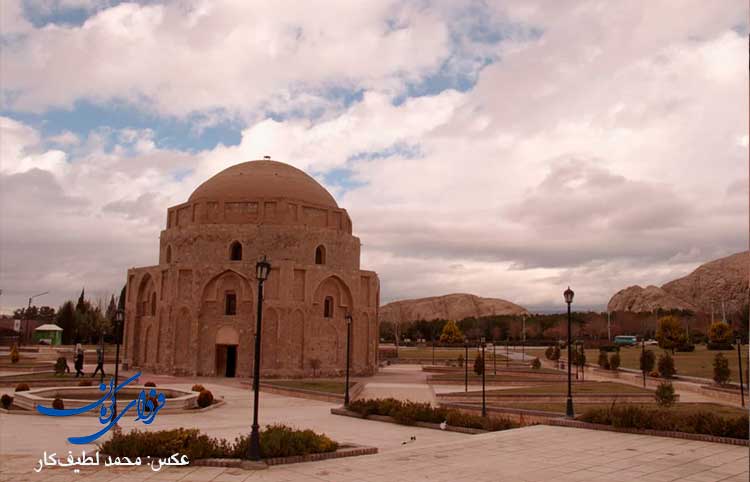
(263, 179)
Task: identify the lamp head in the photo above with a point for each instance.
(262, 268)
(568, 294)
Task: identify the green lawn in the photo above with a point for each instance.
(500, 377)
(327, 386)
(698, 363)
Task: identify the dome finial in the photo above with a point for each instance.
(267, 157)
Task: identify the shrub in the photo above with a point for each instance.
(721, 369)
(647, 361)
(22, 387)
(653, 374)
(205, 398)
(556, 353)
(14, 355)
(460, 360)
(150, 384)
(686, 348)
(408, 413)
(478, 364)
(640, 417)
(603, 360)
(614, 361)
(665, 396)
(536, 364)
(85, 383)
(58, 404)
(6, 401)
(197, 388)
(549, 353)
(720, 333)
(61, 366)
(666, 366)
(275, 441)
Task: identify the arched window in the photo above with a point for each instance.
(169, 254)
(153, 304)
(230, 303)
(320, 255)
(328, 307)
(235, 251)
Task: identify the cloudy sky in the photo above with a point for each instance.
(504, 148)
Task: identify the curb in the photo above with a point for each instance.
(386, 419)
(352, 451)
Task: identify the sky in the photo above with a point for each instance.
(506, 149)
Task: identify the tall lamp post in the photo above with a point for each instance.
(466, 365)
(348, 350)
(568, 294)
(262, 268)
(484, 370)
(739, 359)
(119, 323)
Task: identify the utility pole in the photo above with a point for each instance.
(523, 338)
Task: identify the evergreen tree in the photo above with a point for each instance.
(451, 333)
(66, 319)
(81, 305)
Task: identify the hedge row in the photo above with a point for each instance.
(408, 413)
(699, 421)
(275, 441)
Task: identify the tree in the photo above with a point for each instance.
(14, 356)
(665, 396)
(603, 360)
(451, 333)
(479, 364)
(720, 333)
(647, 361)
(670, 333)
(666, 365)
(721, 369)
(614, 361)
(81, 305)
(66, 319)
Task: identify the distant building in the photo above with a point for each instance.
(195, 312)
(23, 328)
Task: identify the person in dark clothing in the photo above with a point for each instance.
(79, 363)
(99, 362)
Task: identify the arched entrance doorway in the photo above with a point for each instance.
(227, 341)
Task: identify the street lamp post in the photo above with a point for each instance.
(643, 360)
(484, 370)
(507, 354)
(739, 359)
(466, 365)
(348, 350)
(262, 268)
(119, 323)
(568, 294)
(494, 356)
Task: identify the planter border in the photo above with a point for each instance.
(387, 419)
(562, 422)
(348, 451)
(270, 387)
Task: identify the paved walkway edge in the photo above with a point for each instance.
(659, 433)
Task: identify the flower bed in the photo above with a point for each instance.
(275, 441)
(696, 422)
(409, 413)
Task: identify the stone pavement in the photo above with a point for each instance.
(530, 454)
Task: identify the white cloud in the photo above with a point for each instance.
(609, 151)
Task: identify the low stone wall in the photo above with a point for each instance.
(562, 422)
(347, 451)
(177, 400)
(386, 419)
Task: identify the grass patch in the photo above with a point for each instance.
(698, 363)
(442, 353)
(326, 386)
(581, 388)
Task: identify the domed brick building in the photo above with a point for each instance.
(195, 312)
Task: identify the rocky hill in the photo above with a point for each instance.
(722, 279)
(448, 307)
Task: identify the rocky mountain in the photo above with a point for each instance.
(455, 306)
(724, 279)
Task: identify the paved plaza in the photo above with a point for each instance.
(536, 453)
